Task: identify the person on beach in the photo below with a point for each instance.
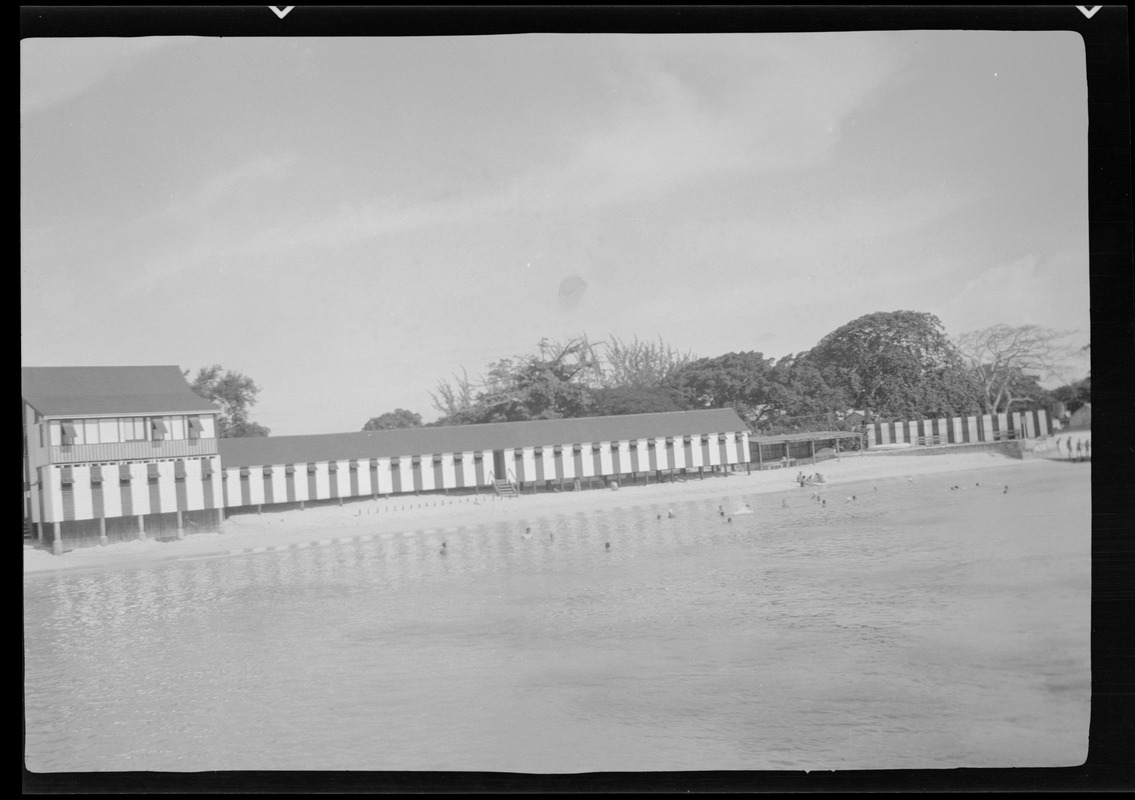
(1068, 444)
(1079, 449)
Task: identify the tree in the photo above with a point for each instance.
(897, 364)
(398, 418)
(740, 381)
(552, 383)
(1000, 357)
(639, 364)
(233, 394)
(618, 400)
(800, 398)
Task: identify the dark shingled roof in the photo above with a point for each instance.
(77, 391)
(464, 438)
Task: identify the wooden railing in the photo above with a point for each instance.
(123, 451)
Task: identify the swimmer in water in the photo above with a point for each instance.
(729, 519)
(784, 503)
(721, 511)
(442, 552)
(670, 514)
(1006, 490)
(527, 533)
(608, 545)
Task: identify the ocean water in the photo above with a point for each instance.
(914, 627)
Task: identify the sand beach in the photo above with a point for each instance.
(318, 525)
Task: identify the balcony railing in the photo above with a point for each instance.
(123, 451)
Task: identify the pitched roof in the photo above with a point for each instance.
(76, 391)
(464, 438)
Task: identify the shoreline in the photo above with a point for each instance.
(274, 530)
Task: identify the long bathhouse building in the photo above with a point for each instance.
(121, 453)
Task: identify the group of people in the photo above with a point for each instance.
(808, 480)
(1083, 447)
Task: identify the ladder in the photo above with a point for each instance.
(504, 488)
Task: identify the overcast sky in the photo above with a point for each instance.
(347, 221)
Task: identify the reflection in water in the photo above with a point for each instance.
(905, 630)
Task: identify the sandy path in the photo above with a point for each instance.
(270, 530)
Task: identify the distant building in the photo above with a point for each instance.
(1081, 417)
(505, 456)
(114, 453)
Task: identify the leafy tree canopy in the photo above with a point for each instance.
(897, 364)
(233, 394)
(740, 381)
(398, 418)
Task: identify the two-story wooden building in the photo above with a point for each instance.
(117, 453)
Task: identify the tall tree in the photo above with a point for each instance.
(398, 418)
(1000, 358)
(740, 381)
(897, 364)
(639, 364)
(234, 394)
(554, 382)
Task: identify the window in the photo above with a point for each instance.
(312, 468)
(153, 471)
(179, 469)
(458, 457)
(332, 466)
(267, 469)
(90, 431)
(244, 472)
(108, 431)
(96, 473)
(66, 477)
(354, 464)
(206, 468)
(158, 429)
(133, 429)
(194, 428)
(69, 433)
(437, 458)
(290, 469)
(124, 472)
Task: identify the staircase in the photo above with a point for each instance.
(505, 488)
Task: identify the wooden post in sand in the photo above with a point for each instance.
(180, 526)
(102, 531)
(812, 445)
(57, 539)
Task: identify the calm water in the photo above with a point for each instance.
(915, 627)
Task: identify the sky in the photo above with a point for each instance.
(349, 221)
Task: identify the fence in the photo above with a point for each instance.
(961, 430)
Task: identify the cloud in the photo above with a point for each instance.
(53, 71)
(1050, 290)
(689, 109)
